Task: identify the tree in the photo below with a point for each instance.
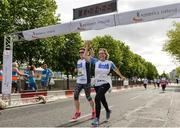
(138, 69)
(127, 62)
(172, 46)
(111, 45)
(67, 56)
(151, 71)
(178, 72)
(130, 64)
(18, 15)
(165, 75)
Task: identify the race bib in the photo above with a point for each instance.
(80, 72)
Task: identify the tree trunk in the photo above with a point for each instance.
(67, 79)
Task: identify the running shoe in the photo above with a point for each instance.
(76, 115)
(95, 122)
(93, 115)
(108, 114)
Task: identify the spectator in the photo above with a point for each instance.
(31, 78)
(45, 77)
(177, 81)
(26, 72)
(15, 73)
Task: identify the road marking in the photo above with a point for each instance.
(133, 111)
(167, 119)
(147, 118)
(171, 101)
(84, 116)
(135, 97)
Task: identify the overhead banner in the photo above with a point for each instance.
(7, 72)
(101, 22)
(150, 14)
(93, 23)
(44, 32)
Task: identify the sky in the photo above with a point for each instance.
(145, 39)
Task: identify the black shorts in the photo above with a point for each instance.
(87, 90)
(15, 85)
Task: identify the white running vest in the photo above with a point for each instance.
(102, 69)
(81, 72)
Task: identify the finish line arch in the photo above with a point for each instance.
(96, 23)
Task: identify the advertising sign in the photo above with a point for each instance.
(105, 21)
(7, 72)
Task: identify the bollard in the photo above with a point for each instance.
(3, 104)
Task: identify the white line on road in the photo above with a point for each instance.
(147, 118)
(167, 119)
(84, 116)
(135, 97)
(171, 101)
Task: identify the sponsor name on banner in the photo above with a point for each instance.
(44, 32)
(7, 72)
(144, 15)
(93, 23)
(137, 16)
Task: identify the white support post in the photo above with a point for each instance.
(7, 68)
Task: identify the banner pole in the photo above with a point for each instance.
(7, 68)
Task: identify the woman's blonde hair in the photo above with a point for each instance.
(105, 51)
(14, 64)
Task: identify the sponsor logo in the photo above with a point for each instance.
(137, 18)
(40, 34)
(103, 66)
(34, 36)
(79, 65)
(81, 27)
(93, 24)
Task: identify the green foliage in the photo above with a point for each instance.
(19, 15)
(130, 64)
(66, 57)
(165, 75)
(111, 45)
(178, 72)
(172, 46)
(151, 71)
(61, 53)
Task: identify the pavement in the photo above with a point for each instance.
(132, 107)
(31, 98)
(161, 111)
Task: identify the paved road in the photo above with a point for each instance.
(130, 108)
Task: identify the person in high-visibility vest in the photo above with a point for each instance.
(15, 73)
